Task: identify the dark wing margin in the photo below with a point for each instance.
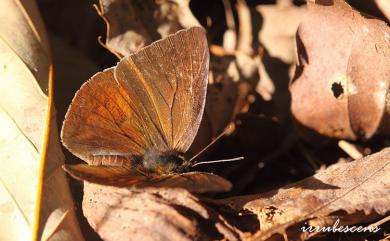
(169, 80)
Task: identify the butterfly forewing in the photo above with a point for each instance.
(152, 100)
(100, 127)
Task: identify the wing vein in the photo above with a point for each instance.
(171, 45)
(123, 133)
(143, 81)
(152, 82)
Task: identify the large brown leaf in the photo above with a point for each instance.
(354, 192)
(35, 202)
(152, 214)
(343, 76)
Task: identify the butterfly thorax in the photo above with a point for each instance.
(162, 163)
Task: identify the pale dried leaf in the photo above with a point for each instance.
(278, 56)
(384, 6)
(280, 23)
(28, 135)
(25, 15)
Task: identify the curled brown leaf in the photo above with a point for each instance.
(342, 82)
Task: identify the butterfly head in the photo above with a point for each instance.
(163, 163)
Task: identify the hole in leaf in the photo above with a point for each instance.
(337, 89)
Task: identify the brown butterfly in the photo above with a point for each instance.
(132, 123)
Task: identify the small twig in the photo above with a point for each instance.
(229, 15)
(230, 35)
(379, 223)
(245, 37)
(104, 45)
(350, 149)
(221, 51)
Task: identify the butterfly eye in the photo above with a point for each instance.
(173, 162)
(177, 160)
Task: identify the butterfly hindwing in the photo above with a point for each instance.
(114, 176)
(197, 182)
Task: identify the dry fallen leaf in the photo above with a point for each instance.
(35, 201)
(277, 34)
(277, 38)
(175, 214)
(132, 25)
(354, 192)
(384, 6)
(342, 83)
(152, 214)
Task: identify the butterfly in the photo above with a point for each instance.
(132, 123)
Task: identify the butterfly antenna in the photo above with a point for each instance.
(218, 161)
(228, 129)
